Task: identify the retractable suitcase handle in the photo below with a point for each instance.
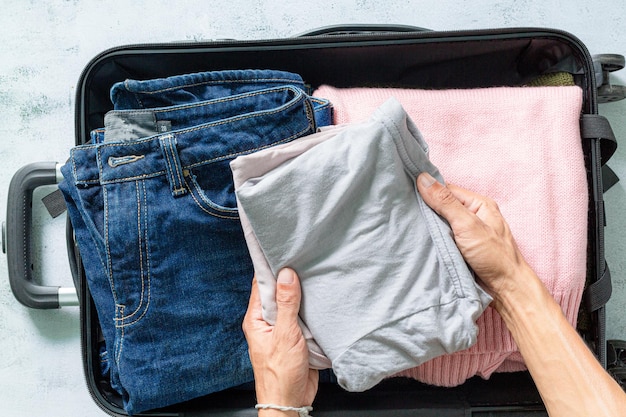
(17, 239)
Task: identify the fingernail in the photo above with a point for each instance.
(285, 276)
(426, 179)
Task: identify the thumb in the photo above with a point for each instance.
(288, 297)
(441, 199)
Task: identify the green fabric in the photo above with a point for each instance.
(555, 79)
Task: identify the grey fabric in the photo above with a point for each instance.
(126, 126)
(384, 288)
(255, 165)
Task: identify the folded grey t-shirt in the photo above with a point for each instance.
(384, 287)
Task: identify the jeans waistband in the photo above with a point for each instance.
(171, 152)
(134, 124)
(185, 88)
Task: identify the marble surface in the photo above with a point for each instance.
(45, 45)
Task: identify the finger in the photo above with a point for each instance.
(288, 298)
(255, 299)
(471, 200)
(485, 208)
(441, 199)
(254, 312)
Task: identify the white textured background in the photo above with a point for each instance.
(45, 44)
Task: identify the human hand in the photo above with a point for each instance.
(279, 354)
(481, 233)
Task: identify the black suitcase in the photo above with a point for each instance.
(344, 57)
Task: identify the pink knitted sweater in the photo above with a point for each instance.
(522, 147)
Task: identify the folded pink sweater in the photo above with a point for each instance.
(521, 147)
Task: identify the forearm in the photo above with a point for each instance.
(569, 378)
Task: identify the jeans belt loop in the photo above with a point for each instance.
(174, 168)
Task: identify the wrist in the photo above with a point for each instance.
(277, 410)
(277, 413)
(276, 397)
(521, 296)
(273, 392)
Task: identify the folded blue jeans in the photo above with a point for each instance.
(166, 262)
(186, 89)
(153, 106)
(125, 125)
(190, 88)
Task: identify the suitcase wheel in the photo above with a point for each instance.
(610, 93)
(608, 63)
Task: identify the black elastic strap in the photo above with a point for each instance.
(609, 178)
(599, 293)
(594, 126)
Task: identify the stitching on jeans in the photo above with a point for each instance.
(136, 177)
(178, 180)
(106, 241)
(166, 155)
(143, 249)
(287, 106)
(135, 95)
(282, 108)
(86, 146)
(235, 154)
(147, 271)
(200, 192)
(119, 343)
(292, 103)
(140, 250)
(147, 248)
(205, 103)
(103, 262)
(74, 171)
(123, 179)
(196, 164)
(109, 262)
(209, 212)
(207, 82)
(87, 182)
(115, 161)
(196, 189)
(319, 100)
(173, 173)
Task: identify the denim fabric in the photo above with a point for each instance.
(166, 261)
(193, 88)
(124, 125)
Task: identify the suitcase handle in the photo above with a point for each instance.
(356, 29)
(17, 238)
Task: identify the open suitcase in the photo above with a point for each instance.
(344, 57)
